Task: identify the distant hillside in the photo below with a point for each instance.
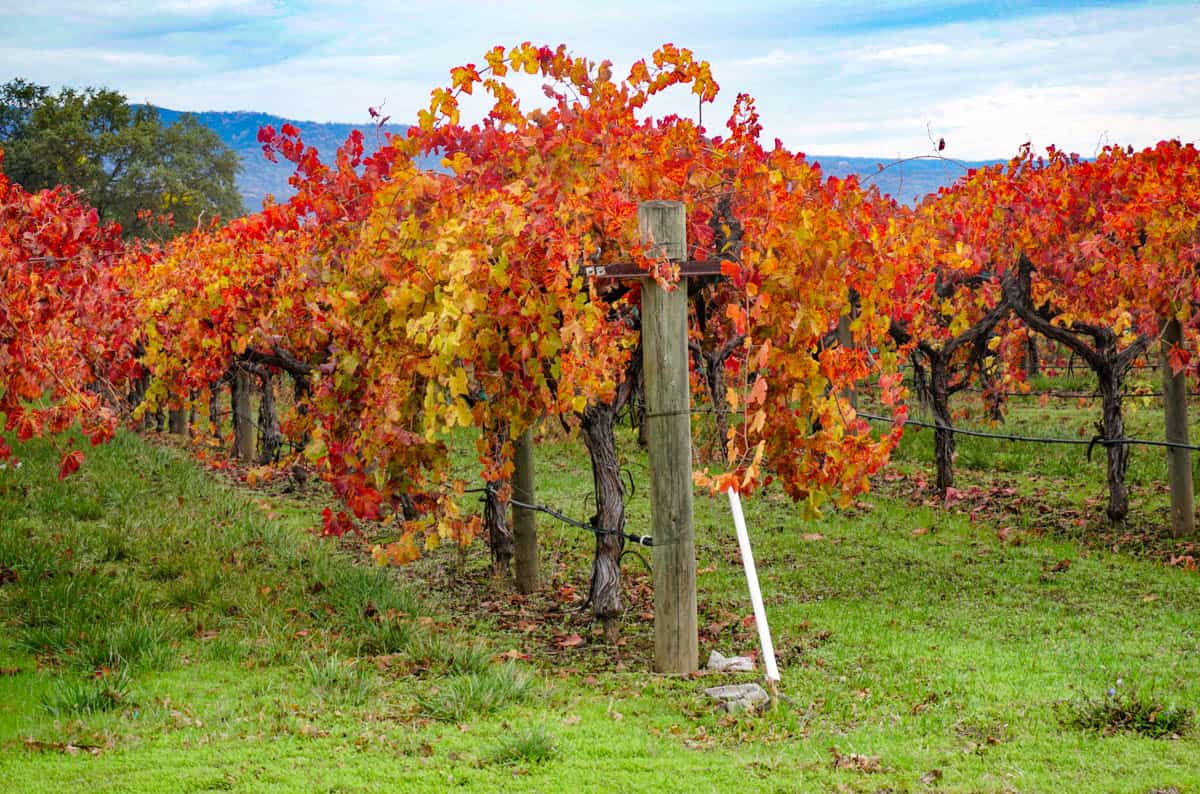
(259, 176)
(907, 181)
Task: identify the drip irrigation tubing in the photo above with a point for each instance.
(1089, 443)
(1066, 395)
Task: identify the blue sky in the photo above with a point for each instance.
(870, 79)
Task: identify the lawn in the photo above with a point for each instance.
(164, 629)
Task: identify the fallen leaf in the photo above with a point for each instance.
(855, 762)
(919, 531)
(574, 641)
(812, 536)
(1186, 561)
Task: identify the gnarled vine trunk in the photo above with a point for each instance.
(1113, 425)
(943, 435)
(1032, 359)
(214, 412)
(270, 438)
(495, 517)
(599, 421)
(1106, 359)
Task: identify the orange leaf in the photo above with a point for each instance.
(758, 392)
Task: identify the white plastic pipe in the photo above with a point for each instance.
(760, 612)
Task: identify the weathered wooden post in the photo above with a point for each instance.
(525, 552)
(846, 339)
(668, 419)
(243, 422)
(177, 421)
(1179, 460)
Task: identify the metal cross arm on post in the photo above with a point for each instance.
(687, 269)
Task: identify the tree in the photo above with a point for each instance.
(120, 158)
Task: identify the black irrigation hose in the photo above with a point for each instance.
(1090, 443)
(1091, 395)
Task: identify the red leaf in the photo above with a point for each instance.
(70, 464)
(1178, 359)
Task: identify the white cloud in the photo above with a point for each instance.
(1068, 77)
(66, 61)
(781, 57)
(911, 52)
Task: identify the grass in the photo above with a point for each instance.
(71, 697)
(527, 746)
(161, 630)
(479, 693)
(1130, 709)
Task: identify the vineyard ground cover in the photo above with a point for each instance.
(1054, 489)
(919, 644)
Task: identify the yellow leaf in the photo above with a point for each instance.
(462, 412)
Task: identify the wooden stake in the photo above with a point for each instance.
(846, 340)
(177, 421)
(1179, 461)
(243, 422)
(669, 430)
(524, 524)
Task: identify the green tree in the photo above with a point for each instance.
(123, 159)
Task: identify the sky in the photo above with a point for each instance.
(883, 79)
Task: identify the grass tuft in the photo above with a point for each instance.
(530, 746)
(339, 680)
(1124, 709)
(71, 697)
(448, 653)
(475, 694)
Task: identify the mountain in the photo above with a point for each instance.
(259, 176)
(906, 180)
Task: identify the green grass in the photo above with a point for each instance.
(161, 630)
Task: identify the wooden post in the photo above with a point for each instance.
(525, 553)
(214, 411)
(1179, 461)
(177, 421)
(669, 429)
(846, 340)
(243, 423)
